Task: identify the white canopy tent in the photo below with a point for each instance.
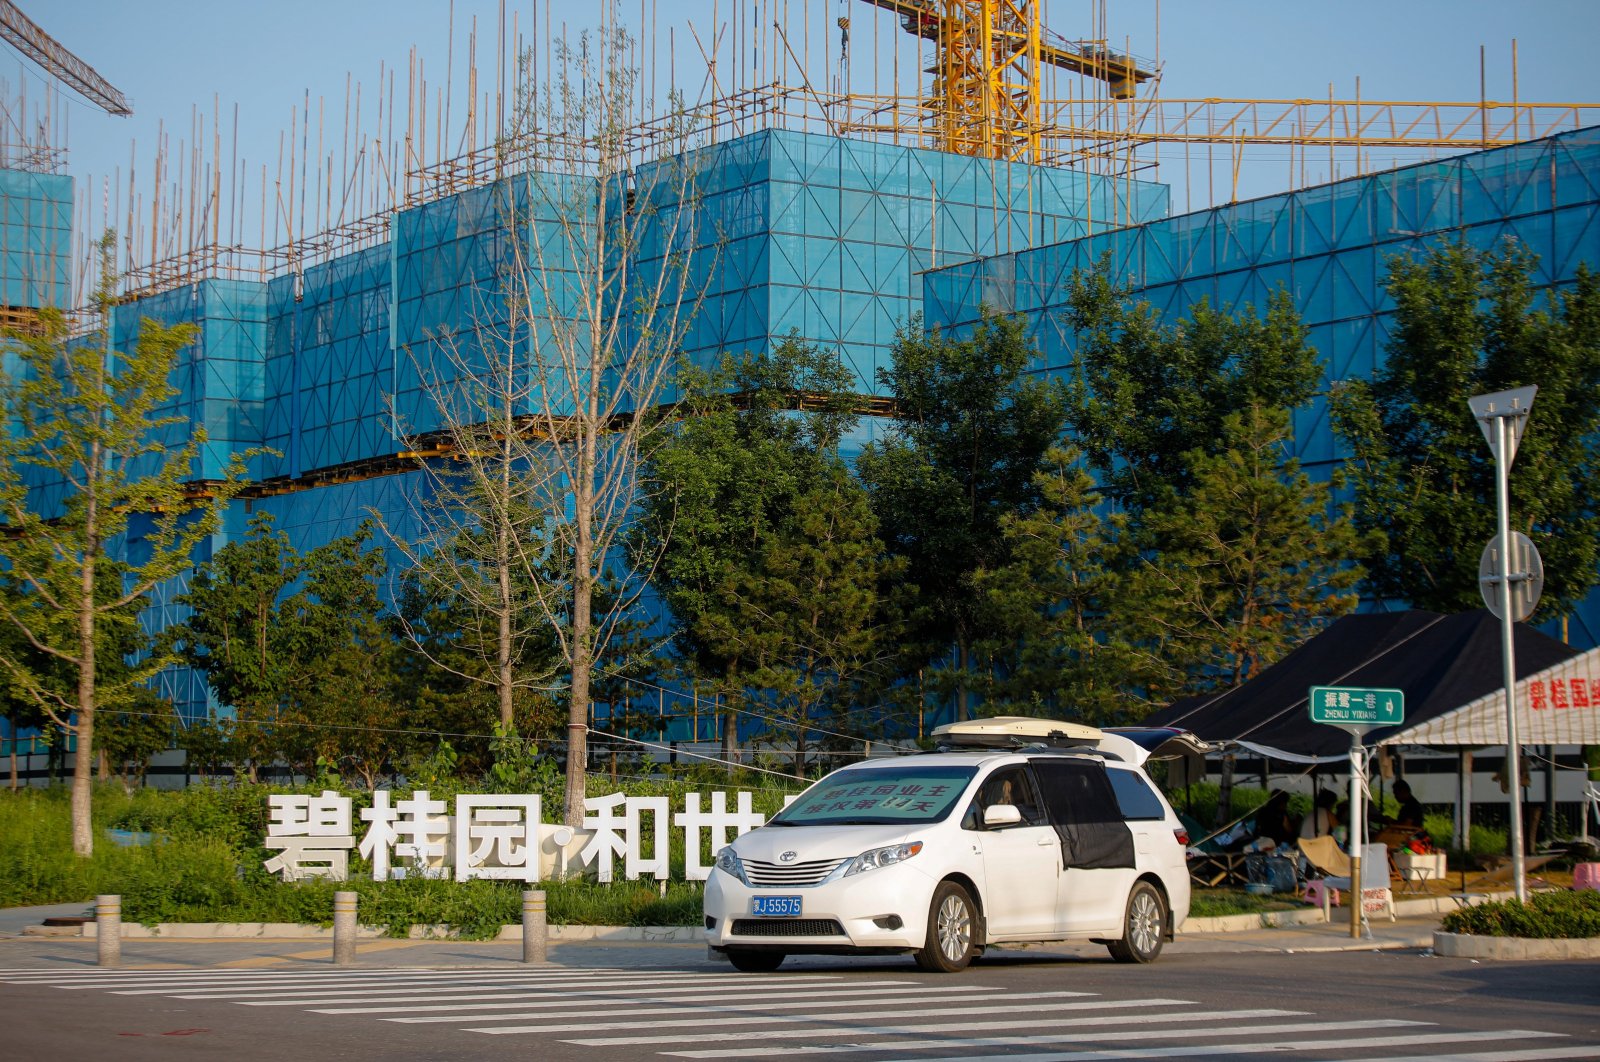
(1557, 706)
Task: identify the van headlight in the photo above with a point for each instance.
(882, 857)
(729, 863)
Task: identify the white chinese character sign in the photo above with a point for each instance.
(312, 835)
(489, 836)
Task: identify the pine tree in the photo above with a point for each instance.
(1253, 558)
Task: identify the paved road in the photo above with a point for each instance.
(671, 1003)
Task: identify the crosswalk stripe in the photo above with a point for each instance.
(308, 977)
(709, 1012)
(1535, 1054)
(965, 1027)
(1127, 1036)
(1272, 1047)
(840, 996)
(302, 997)
(288, 995)
(510, 1000)
(1109, 1004)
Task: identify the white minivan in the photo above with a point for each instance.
(1016, 830)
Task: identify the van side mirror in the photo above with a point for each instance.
(1001, 815)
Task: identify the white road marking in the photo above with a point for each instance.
(1270, 1047)
(295, 996)
(1137, 1035)
(632, 995)
(956, 1027)
(1034, 1008)
(543, 1010)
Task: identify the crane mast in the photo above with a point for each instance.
(989, 55)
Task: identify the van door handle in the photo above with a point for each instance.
(1046, 842)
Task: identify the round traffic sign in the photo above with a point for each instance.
(1526, 576)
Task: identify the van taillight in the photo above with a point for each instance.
(1183, 838)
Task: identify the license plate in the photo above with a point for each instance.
(775, 906)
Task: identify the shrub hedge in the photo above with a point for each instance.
(1546, 916)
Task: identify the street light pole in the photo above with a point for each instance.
(1513, 770)
(1503, 416)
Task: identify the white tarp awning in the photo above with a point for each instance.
(1557, 706)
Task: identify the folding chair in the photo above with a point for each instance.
(1324, 855)
(1329, 868)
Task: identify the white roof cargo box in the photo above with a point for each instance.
(1003, 731)
(1131, 745)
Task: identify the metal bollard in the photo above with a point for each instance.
(344, 928)
(534, 929)
(108, 929)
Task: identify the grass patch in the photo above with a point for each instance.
(1219, 903)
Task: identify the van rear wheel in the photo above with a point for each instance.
(1145, 925)
(952, 930)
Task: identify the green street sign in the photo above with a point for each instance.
(1348, 706)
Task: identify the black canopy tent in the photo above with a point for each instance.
(1440, 662)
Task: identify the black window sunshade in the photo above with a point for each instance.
(1083, 809)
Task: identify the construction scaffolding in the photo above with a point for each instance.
(1001, 86)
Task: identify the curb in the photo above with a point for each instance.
(1310, 916)
(1469, 946)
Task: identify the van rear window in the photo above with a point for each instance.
(1135, 797)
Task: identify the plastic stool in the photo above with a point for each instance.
(1586, 876)
(1317, 889)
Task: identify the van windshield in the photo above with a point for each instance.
(879, 796)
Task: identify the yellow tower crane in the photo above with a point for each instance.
(22, 33)
(989, 56)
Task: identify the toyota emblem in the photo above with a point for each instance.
(787, 857)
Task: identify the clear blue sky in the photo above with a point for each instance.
(170, 55)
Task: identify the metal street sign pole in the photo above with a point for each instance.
(1358, 792)
(1357, 710)
(1502, 416)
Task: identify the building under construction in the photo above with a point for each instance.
(835, 211)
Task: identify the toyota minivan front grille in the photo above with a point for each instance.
(789, 875)
(787, 927)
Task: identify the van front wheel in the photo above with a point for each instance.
(952, 930)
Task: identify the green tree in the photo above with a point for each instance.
(20, 711)
(762, 536)
(239, 636)
(804, 617)
(1253, 558)
(1470, 322)
(343, 699)
(959, 458)
(88, 418)
(1145, 394)
(140, 728)
(303, 649)
(1062, 645)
